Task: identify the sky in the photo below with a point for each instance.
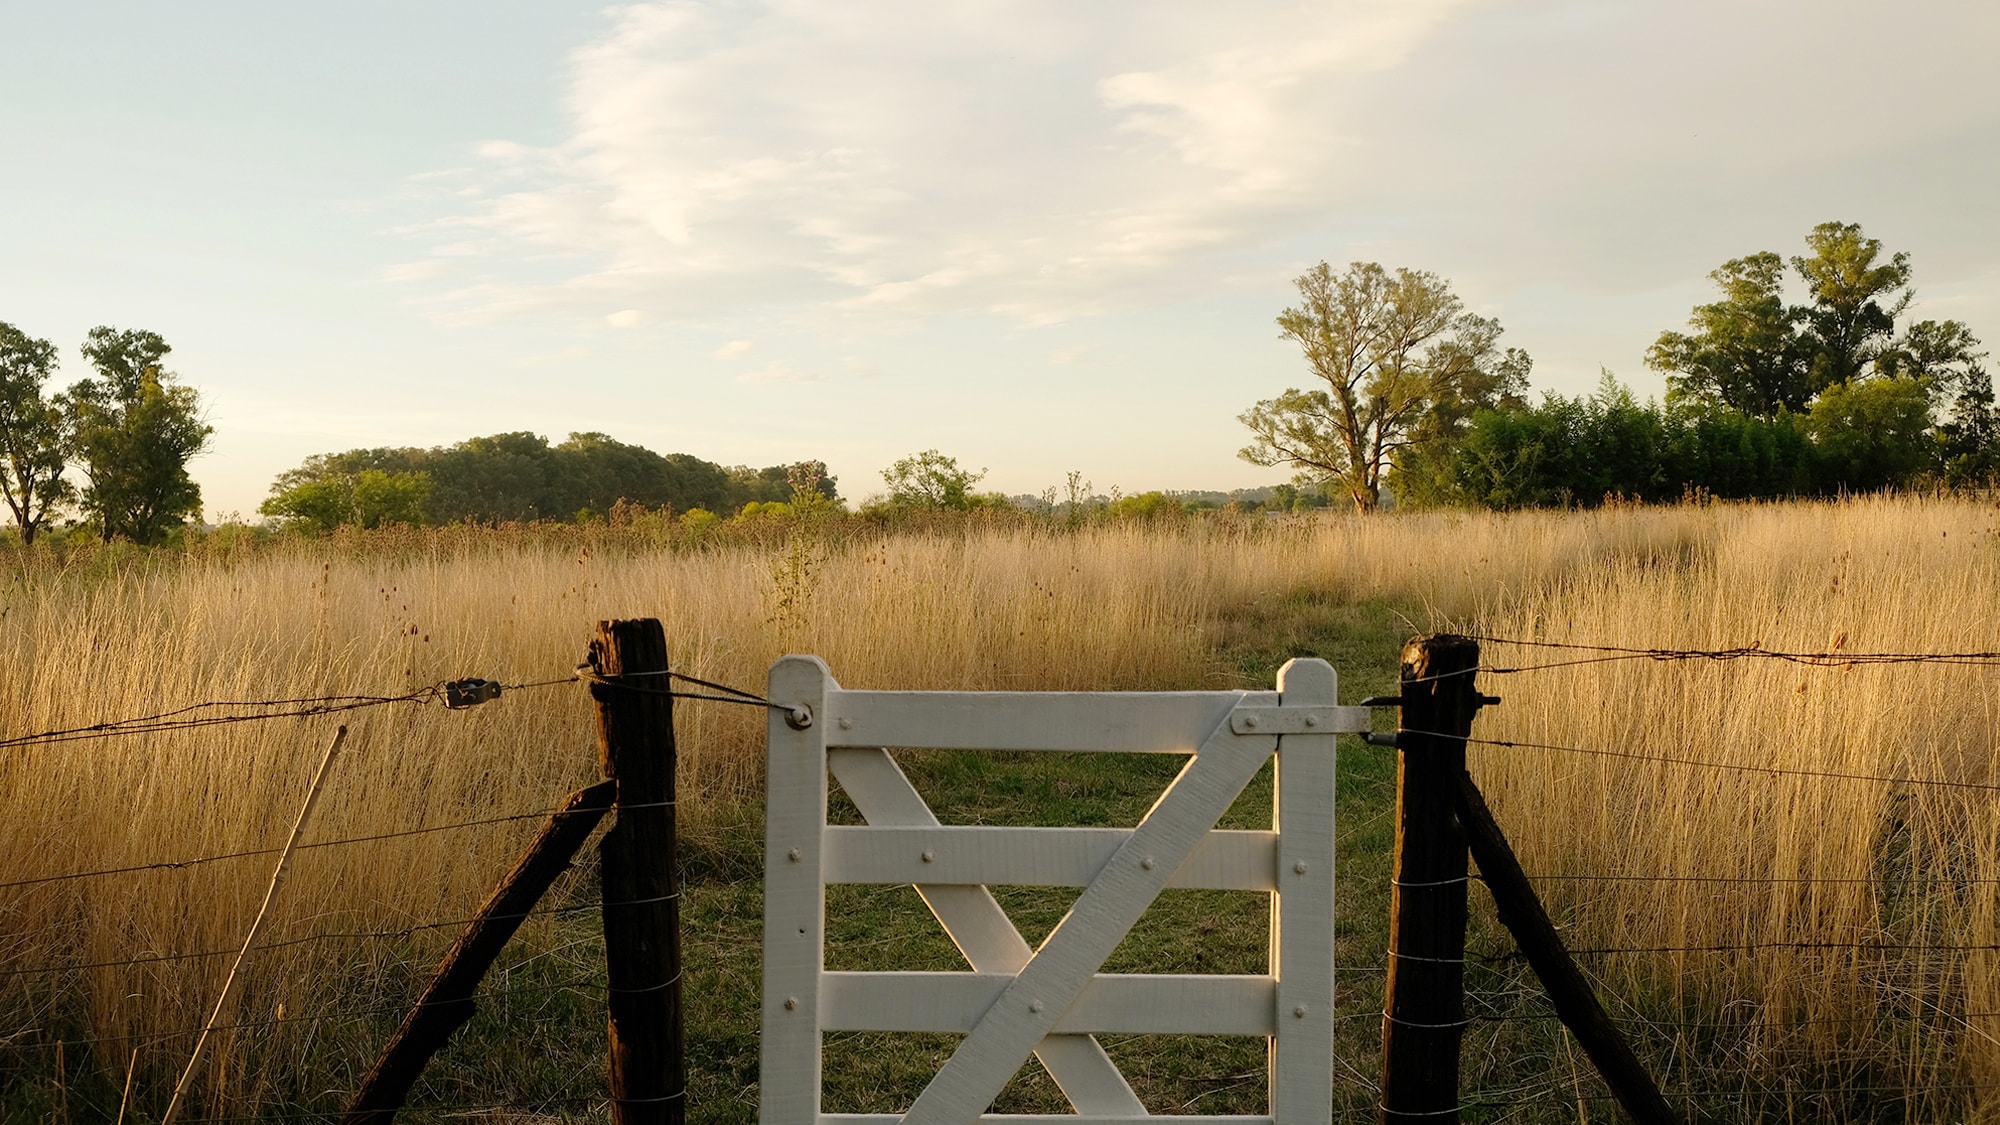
(1040, 237)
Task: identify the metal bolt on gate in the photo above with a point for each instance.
(1053, 1001)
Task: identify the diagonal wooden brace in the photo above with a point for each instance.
(982, 931)
(1045, 988)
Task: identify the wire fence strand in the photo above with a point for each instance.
(1697, 763)
(1831, 658)
(178, 864)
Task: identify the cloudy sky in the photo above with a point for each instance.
(1040, 237)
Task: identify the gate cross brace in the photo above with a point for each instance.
(1029, 1008)
(983, 932)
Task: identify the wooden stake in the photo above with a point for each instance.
(125, 1099)
(447, 1001)
(1423, 1008)
(230, 985)
(1521, 912)
(642, 941)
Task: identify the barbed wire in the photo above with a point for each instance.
(1751, 946)
(254, 710)
(1725, 1025)
(1690, 1093)
(1787, 771)
(1833, 658)
(167, 721)
(1773, 880)
(257, 710)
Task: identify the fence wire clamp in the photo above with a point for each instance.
(1389, 738)
(460, 694)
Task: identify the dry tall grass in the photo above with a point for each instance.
(1857, 917)
(1020, 607)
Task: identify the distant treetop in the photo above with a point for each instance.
(514, 476)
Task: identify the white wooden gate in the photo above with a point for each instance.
(1049, 1001)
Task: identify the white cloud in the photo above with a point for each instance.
(1039, 160)
(832, 174)
(778, 373)
(624, 318)
(734, 349)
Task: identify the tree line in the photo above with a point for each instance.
(517, 477)
(1766, 397)
(129, 431)
(1412, 397)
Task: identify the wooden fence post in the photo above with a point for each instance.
(1423, 1008)
(642, 940)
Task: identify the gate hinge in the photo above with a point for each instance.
(1325, 719)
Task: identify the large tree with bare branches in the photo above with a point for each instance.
(1398, 358)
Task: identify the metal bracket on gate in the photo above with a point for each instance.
(1298, 720)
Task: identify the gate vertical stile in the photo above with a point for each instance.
(1302, 908)
(794, 895)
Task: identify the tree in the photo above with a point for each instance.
(1393, 350)
(135, 428)
(368, 499)
(1745, 351)
(1753, 352)
(1870, 433)
(1848, 327)
(931, 480)
(512, 476)
(515, 476)
(1941, 356)
(31, 433)
(1582, 451)
(1969, 440)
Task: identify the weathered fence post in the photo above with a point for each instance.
(642, 941)
(1423, 1008)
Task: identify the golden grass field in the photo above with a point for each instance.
(1912, 873)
